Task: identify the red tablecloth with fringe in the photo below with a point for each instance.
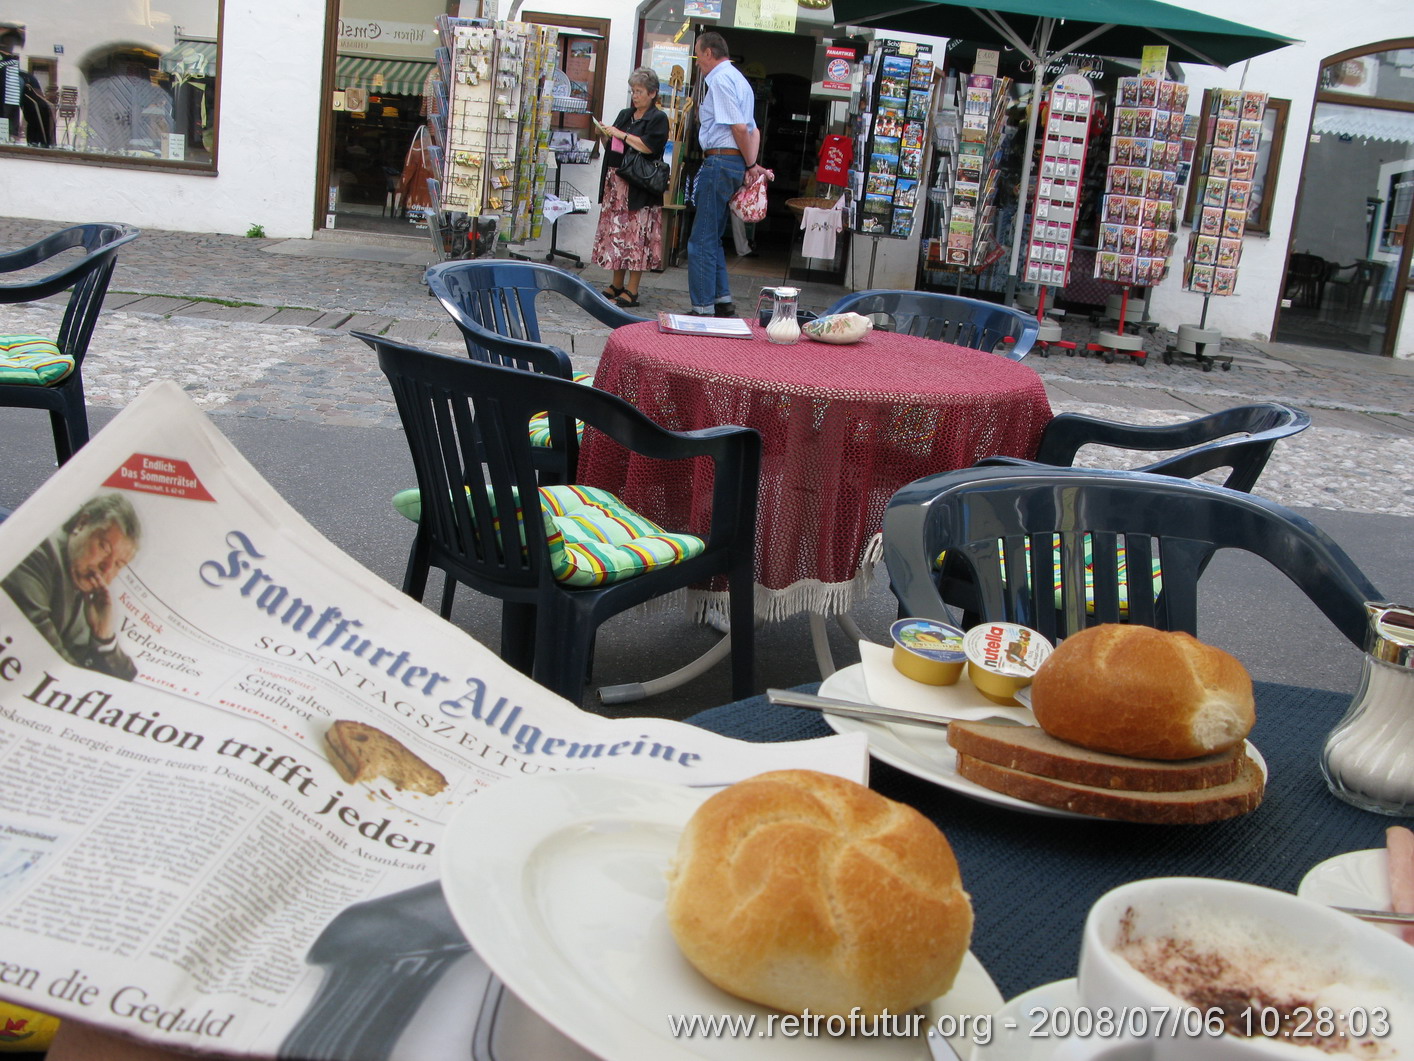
(842, 428)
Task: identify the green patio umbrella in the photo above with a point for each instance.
(1045, 31)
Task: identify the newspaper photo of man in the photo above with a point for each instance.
(62, 587)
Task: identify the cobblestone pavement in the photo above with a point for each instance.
(259, 328)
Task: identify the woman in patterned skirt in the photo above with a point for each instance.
(629, 237)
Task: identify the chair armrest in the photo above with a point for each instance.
(546, 357)
(604, 311)
(94, 238)
(735, 451)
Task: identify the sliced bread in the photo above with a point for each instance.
(1034, 751)
(1193, 807)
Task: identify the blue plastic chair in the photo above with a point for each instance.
(1240, 439)
(978, 515)
(88, 278)
(465, 423)
(948, 318)
(502, 297)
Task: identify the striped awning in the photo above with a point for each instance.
(1364, 123)
(194, 58)
(392, 77)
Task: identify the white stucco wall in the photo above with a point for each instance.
(1289, 73)
(271, 57)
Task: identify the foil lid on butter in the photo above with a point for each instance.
(928, 651)
(1004, 657)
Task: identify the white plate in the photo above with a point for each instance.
(924, 751)
(559, 884)
(1014, 1024)
(1357, 878)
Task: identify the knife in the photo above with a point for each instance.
(1381, 917)
(939, 1049)
(853, 709)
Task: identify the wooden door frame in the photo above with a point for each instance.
(1402, 284)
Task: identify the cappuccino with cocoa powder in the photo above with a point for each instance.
(1253, 980)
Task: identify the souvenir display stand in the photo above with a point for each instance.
(1140, 212)
(1224, 187)
(895, 104)
(565, 198)
(968, 135)
(493, 99)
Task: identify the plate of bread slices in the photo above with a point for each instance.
(1132, 724)
(756, 921)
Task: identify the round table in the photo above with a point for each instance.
(842, 428)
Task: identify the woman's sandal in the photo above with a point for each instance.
(612, 293)
(631, 298)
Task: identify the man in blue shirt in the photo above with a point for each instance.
(730, 141)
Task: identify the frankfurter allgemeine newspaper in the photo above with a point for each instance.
(228, 753)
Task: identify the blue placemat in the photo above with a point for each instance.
(1033, 879)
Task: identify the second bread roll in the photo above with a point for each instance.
(1134, 690)
(801, 890)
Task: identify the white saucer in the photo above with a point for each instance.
(559, 883)
(1017, 1026)
(1357, 878)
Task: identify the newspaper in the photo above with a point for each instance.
(226, 749)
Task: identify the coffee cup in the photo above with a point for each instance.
(1192, 967)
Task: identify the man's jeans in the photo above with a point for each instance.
(717, 181)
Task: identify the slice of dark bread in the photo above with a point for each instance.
(1193, 807)
(1032, 750)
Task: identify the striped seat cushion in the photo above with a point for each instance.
(540, 422)
(593, 537)
(32, 359)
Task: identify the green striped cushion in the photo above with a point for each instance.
(594, 538)
(32, 359)
(540, 422)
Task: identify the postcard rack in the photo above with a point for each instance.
(492, 123)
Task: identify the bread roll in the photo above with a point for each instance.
(801, 890)
(1134, 690)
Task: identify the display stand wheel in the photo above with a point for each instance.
(1202, 344)
(1108, 344)
(1049, 335)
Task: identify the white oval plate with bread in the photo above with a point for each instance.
(559, 883)
(925, 753)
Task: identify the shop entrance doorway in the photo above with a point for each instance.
(1349, 262)
(793, 113)
(383, 62)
